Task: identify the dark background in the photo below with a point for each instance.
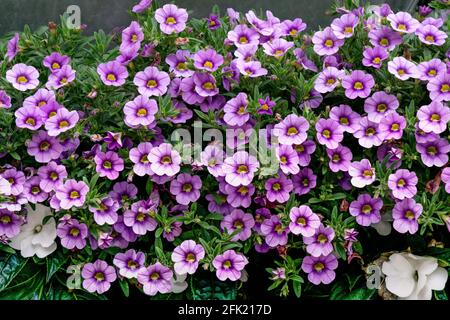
(107, 14)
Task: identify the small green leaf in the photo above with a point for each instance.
(125, 288)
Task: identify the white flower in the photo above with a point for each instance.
(34, 237)
(384, 227)
(179, 283)
(5, 187)
(412, 277)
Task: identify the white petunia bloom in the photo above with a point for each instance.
(179, 283)
(5, 187)
(412, 277)
(35, 238)
(384, 227)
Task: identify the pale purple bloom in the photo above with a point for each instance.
(320, 269)
(52, 176)
(12, 47)
(340, 158)
(252, 69)
(274, 232)
(304, 61)
(366, 209)
(213, 22)
(62, 121)
(303, 221)
(55, 61)
(43, 147)
(431, 35)
(132, 36)
(140, 217)
(304, 181)
(72, 194)
(346, 117)
(208, 60)
(292, 28)
(326, 43)
(362, 173)
(164, 160)
(139, 156)
(156, 278)
(369, 133)
(434, 153)
(129, 263)
(49, 110)
(292, 130)
(187, 256)
(233, 15)
(392, 126)
(278, 189)
(402, 69)
(29, 118)
(240, 196)
(403, 22)
(328, 79)
(277, 48)
(171, 19)
(329, 133)
(428, 70)
(186, 188)
(374, 57)
(33, 191)
(242, 35)
(229, 265)
(98, 276)
(379, 105)
(151, 82)
(403, 184)
(240, 168)
(385, 37)
(9, 223)
(238, 221)
(358, 84)
(320, 242)
(123, 191)
(23, 77)
(142, 6)
(141, 111)
(437, 22)
(105, 212)
(266, 105)
(5, 100)
(72, 234)
(112, 73)
(60, 78)
(433, 117)
(288, 157)
(445, 176)
(246, 52)
(16, 180)
(108, 164)
(205, 85)
(212, 157)
(304, 151)
(439, 88)
(178, 63)
(344, 26)
(405, 214)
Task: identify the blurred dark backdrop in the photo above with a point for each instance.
(107, 14)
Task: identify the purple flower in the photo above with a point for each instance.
(105, 212)
(151, 82)
(212, 157)
(403, 22)
(277, 48)
(439, 88)
(171, 19)
(240, 168)
(344, 27)
(186, 188)
(340, 158)
(213, 22)
(289, 160)
(403, 184)
(430, 34)
(129, 263)
(12, 47)
(405, 214)
(392, 126)
(328, 79)
(366, 209)
(123, 191)
(9, 223)
(98, 276)
(155, 278)
(132, 36)
(304, 152)
(240, 222)
(141, 111)
(208, 60)
(178, 63)
(229, 265)
(112, 73)
(274, 232)
(242, 35)
(292, 130)
(402, 69)
(369, 133)
(205, 85)
(292, 28)
(251, 69)
(362, 173)
(246, 52)
(374, 57)
(358, 84)
(428, 70)
(425, 10)
(320, 243)
(379, 105)
(278, 189)
(72, 234)
(127, 55)
(240, 196)
(434, 153)
(52, 176)
(164, 160)
(29, 118)
(265, 106)
(23, 77)
(304, 181)
(385, 37)
(43, 147)
(304, 61)
(108, 164)
(329, 133)
(5, 100)
(445, 176)
(16, 179)
(439, 22)
(62, 121)
(33, 191)
(433, 117)
(187, 256)
(139, 156)
(347, 118)
(142, 6)
(55, 61)
(326, 43)
(320, 269)
(303, 221)
(72, 194)
(140, 217)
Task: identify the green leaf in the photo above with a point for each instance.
(297, 288)
(10, 266)
(54, 263)
(125, 288)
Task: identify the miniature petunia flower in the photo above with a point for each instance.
(434, 153)
(251, 69)
(52, 176)
(292, 130)
(132, 36)
(292, 28)
(403, 184)
(186, 188)
(33, 191)
(304, 181)
(362, 173)
(402, 69)
(379, 105)
(304, 151)
(108, 164)
(105, 212)
(344, 26)
(428, 70)
(328, 79)
(430, 34)
(178, 63)
(112, 73)
(278, 189)
(129, 263)
(405, 214)
(123, 191)
(205, 85)
(369, 133)
(213, 22)
(329, 133)
(141, 6)
(385, 37)
(141, 111)
(229, 265)
(445, 176)
(358, 84)
(9, 223)
(366, 209)
(15, 179)
(60, 78)
(288, 158)
(72, 194)
(240, 196)
(187, 256)
(29, 118)
(171, 19)
(240, 168)
(347, 118)
(139, 156)
(277, 48)
(140, 217)
(340, 158)
(55, 61)
(23, 77)
(72, 234)
(304, 61)
(43, 147)
(326, 43)
(62, 121)
(242, 35)
(274, 232)
(439, 88)
(320, 269)
(320, 242)
(151, 82)
(164, 160)
(208, 60)
(98, 276)
(433, 117)
(374, 57)
(403, 22)
(240, 222)
(392, 126)
(5, 100)
(303, 221)
(13, 47)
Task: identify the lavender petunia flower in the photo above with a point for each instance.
(112, 73)
(187, 256)
(320, 269)
(141, 111)
(344, 26)
(374, 57)
(240, 168)
(251, 69)
(439, 88)
(362, 173)
(33, 191)
(72, 194)
(304, 181)
(328, 79)
(55, 61)
(403, 184)
(105, 212)
(433, 117)
(151, 82)
(277, 48)
(326, 43)
(403, 22)
(278, 189)
(140, 217)
(385, 37)
(9, 223)
(43, 147)
(141, 6)
(72, 234)
(405, 214)
(379, 105)
(392, 126)
(62, 121)
(139, 156)
(289, 160)
(229, 265)
(23, 77)
(186, 188)
(205, 85)
(178, 63)
(431, 35)
(347, 118)
(402, 69)
(16, 179)
(292, 130)
(340, 158)
(242, 35)
(274, 232)
(108, 164)
(5, 100)
(132, 36)
(303, 221)
(29, 118)
(434, 153)
(98, 276)
(164, 160)
(238, 221)
(358, 84)
(208, 60)
(320, 242)
(366, 209)
(329, 133)
(428, 70)
(292, 28)
(369, 133)
(12, 47)
(123, 191)
(52, 176)
(171, 19)
(129, 263)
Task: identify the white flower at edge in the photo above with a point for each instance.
(412, 277)
(384, 227)
(5, 187)
(34, 237)
(179, 283)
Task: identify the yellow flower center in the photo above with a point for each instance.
(336, 157)
(208, 64)
(171, 20)
(41, 104)
(367, 173)
(293, 32)
(326, 133)
(431, 150)
(344, 121)
(99, 276)
(241, 110)
(278, 228)
(208, 85)
(134, 38)
(142, 112)
(329, 43)
(409, 215)
(243, 39)
(292, 131)
(238, 224)
(243, 190)
(276, 186)
(376, 60)
(299, 148)
(321, 238)
(144, 159)
(331, 81)
(56, 65)
(74, 232)
(187, 187)
(279, 52)
(319, 266)
(384, 42)
(435, 117)
(74, 194)
(348, 30)
(382, 107)
(132, 264)
(395, 127)
(154, 276)
(54, 176)
(242, 169)
(5, 219)
(265, 106)
(358, 85)
(445, 88)
(366, 209)
(151, 83)
(401, 71)
(111, 77)
(30, 121)
(44, 146)
(401, 26)
(35, 190)
(181, 66)
(301, 221)
(283, 159)
(107, 164)
(166, 160)
(370, 131)
(63, 124)
(401, 183)
(227, 264)
(305, 182)
(432, 72)
(430, 38)
(52, 114)
(190, 257)
(22, 79)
